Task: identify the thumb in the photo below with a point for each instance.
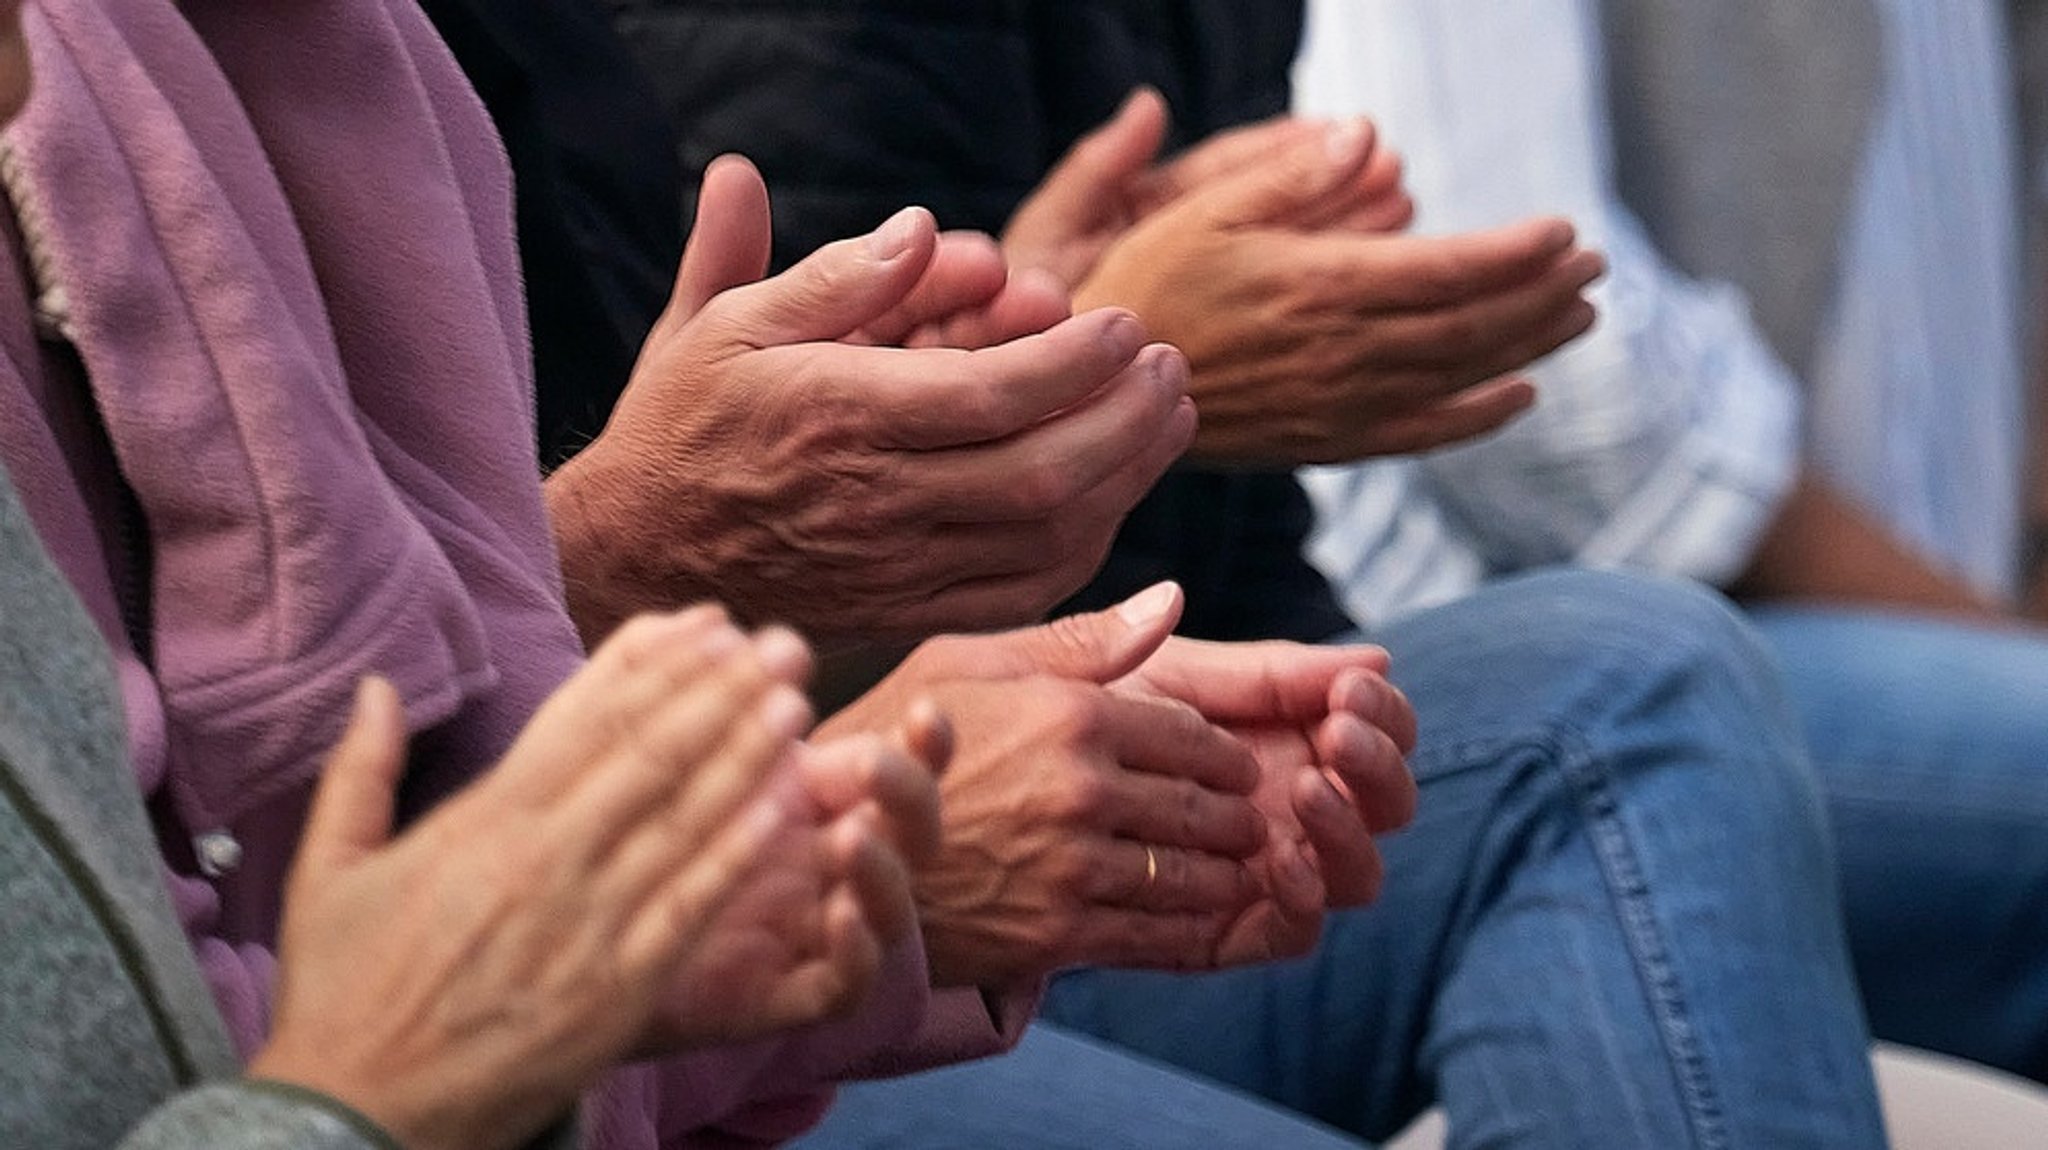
(732, 239)
(1107, 645)
(1316, 167)
(1097, 171)
(352, 809)
(840, 288)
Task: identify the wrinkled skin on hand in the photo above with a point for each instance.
(1316, 334)
(1086, 741)
(772, 450)
(462, 983)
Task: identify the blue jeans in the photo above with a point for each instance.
(1613, 923)
(1931, 740)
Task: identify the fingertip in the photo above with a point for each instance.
(1556, 232)
(1347, 143)
(784, 654)
(784, 712)
(1119, 330)
(929, 734)
(907, 231)
(1148, 608)
(1167, 366)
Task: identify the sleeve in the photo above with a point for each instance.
(259, 1115)
(256, 1116)
(1666, 437)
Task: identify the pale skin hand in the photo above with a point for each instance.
(1083, 743)
(766, 450)
(1315, 335)
(462, 983)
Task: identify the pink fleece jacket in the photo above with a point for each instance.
(267, 397)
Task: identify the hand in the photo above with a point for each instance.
(1315, 337)
(1330, 734)
(875, 809)
(462, 983)
(1083, 824)
(1111, 179)
(762, 452)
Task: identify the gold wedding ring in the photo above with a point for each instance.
(1151, 868)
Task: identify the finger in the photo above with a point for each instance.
(1150, 940)
(1031, 302)
(926, 734)
(637, 843)
(1167, 737)
(1368, 694)
(677, 910)
(1101, 646)
(1294, 882)
(688, 737)
(353, 806)
(1013, 573)
(836, 291)
(1142, 876)
(1420, 272)
(1221, 156)
(967, 272)
(1100, 167)
(1376, 200)
(1367, 770)
(1040, 471)
(732, 239)
(929, 399)
(639, 666)
(1346, 858)
(741, 767)
(1463, 416)
(1493, 334)
(1161, 811)
(840, 979)
(899, 792)
(1269, 683)
(1310, 173)
(879, 878)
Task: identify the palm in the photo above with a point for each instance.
(1286, 919)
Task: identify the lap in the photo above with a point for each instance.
(1059, 1091)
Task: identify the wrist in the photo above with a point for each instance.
(609, 572)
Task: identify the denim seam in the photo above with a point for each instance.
(1568, 751)
(1629, 890)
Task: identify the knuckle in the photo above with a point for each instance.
(637, 645)
(1040, 489)
(1080, 796)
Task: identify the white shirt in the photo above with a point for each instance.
(1665, 439)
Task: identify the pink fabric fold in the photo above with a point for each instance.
(281, 239)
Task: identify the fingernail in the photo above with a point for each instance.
(1344, 141)
(887, 243)
(1150, 605)
(1170, 368)
(1123, 335)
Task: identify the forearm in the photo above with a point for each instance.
(1823, 548)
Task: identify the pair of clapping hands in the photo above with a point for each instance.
(905, 434)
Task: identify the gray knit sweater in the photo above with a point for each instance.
(108, 1036)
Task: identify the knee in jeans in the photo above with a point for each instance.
(1686, 668)
(1661, 661)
